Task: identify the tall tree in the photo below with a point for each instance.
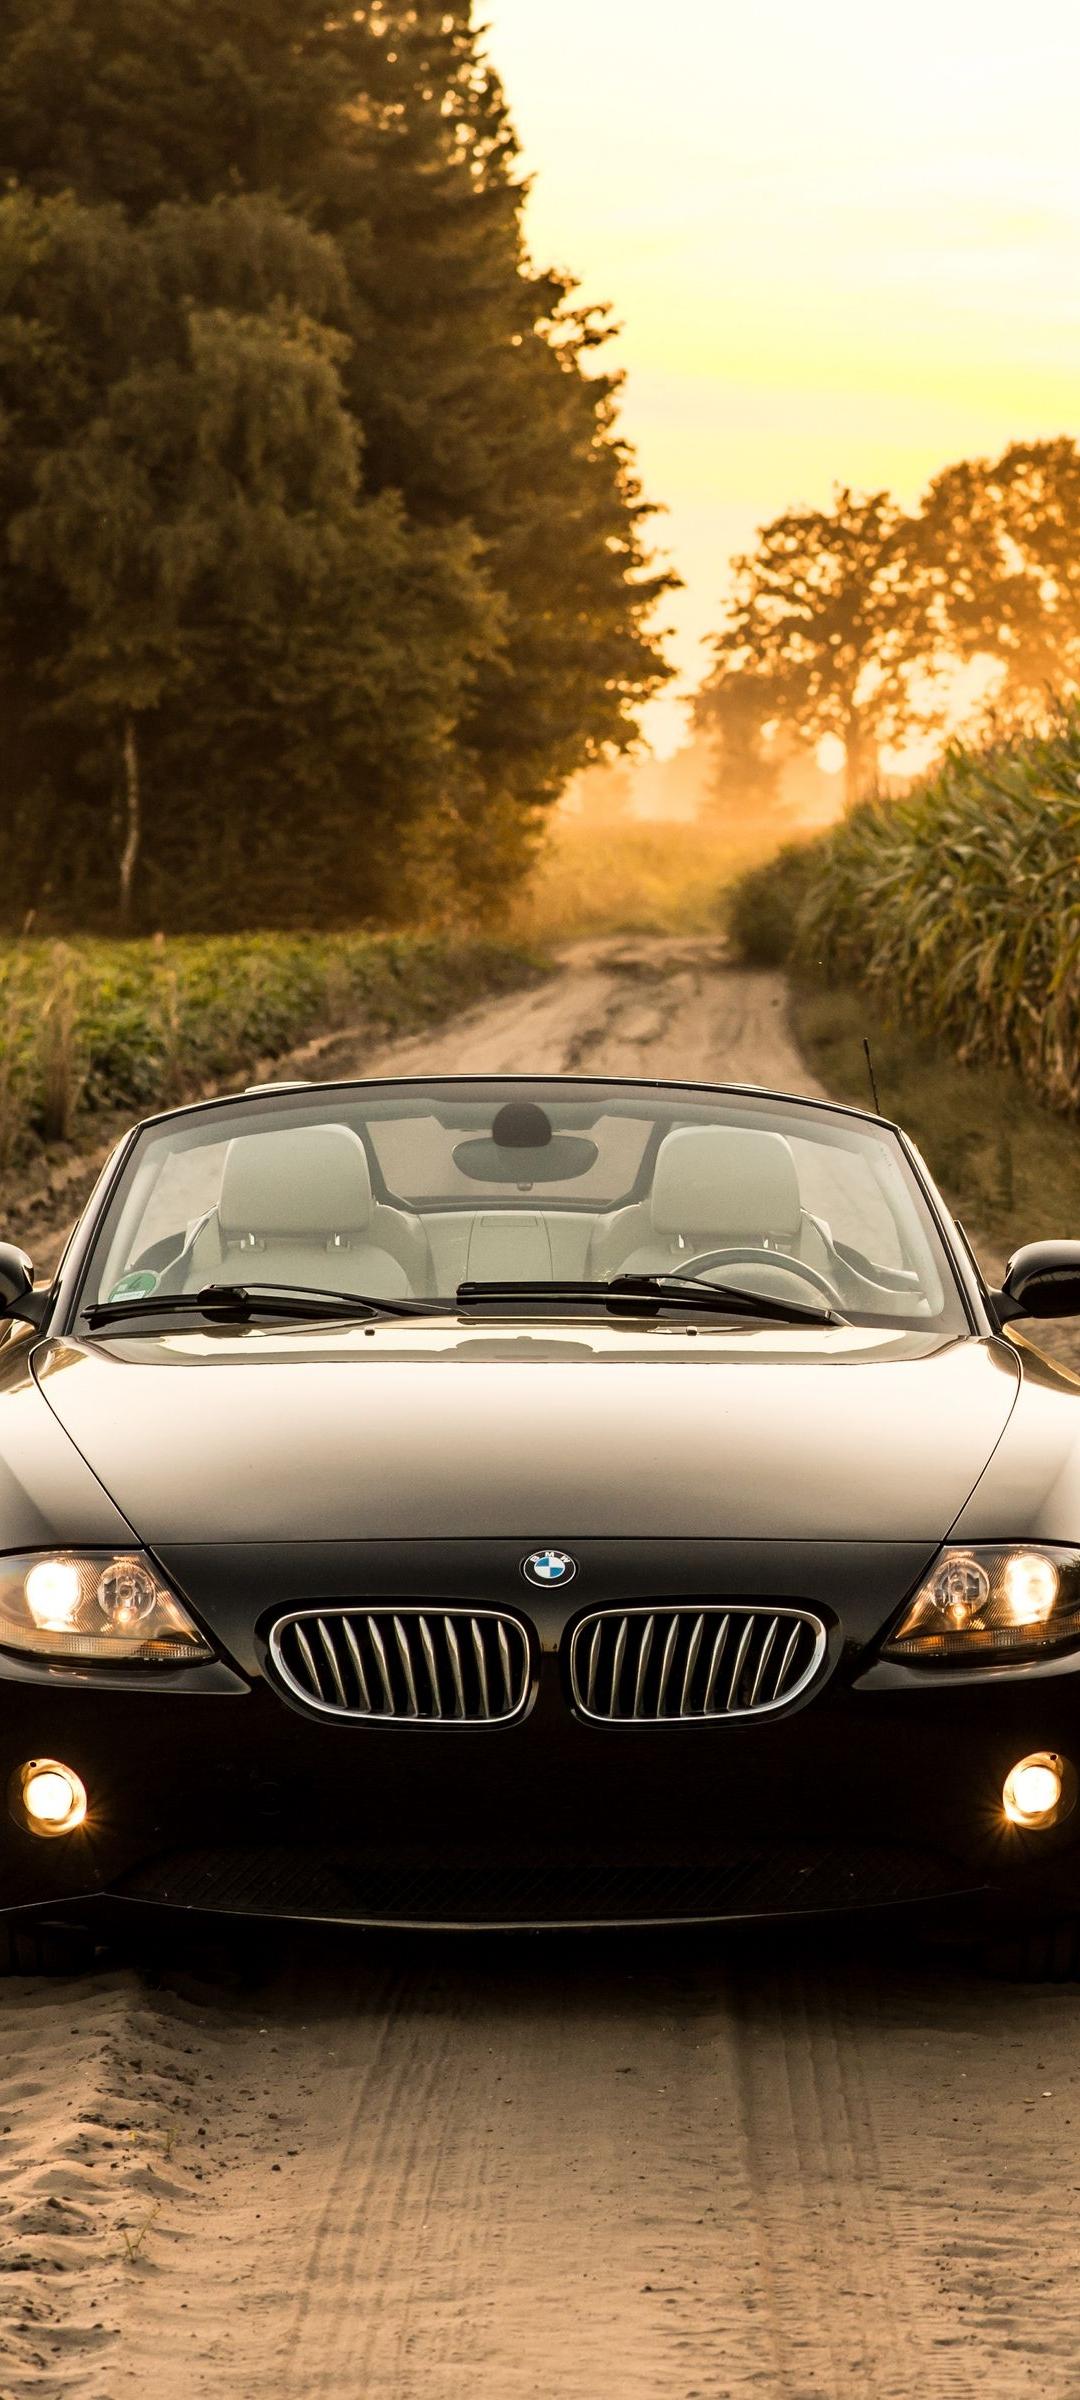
(1000, 545)
(215, 580)
(828, 621)
(472, 377)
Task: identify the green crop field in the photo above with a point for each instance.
(958, 907)
(945, 928)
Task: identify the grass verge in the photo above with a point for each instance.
(1009, 1165)
(92, 1028)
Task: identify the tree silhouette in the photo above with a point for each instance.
(826, 630)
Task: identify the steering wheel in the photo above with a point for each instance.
(708, 1259)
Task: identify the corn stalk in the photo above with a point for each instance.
(960, 905)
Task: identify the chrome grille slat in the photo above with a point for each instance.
(685, 1662)
(643, 1660)
(617, 1664)
(353, 1648)
(745, 1639)
(454, 1649)
(691, 1662)
(594, 1653)
(330, 1655)
(405, 1665)
(665, 1665)
(410, 1679)
(308, 1656)
(716, 1662)
(786, 1660)
(763, 1660)
(379, 1647)
(481, 1665)
(431, 1664)
(504, 1664)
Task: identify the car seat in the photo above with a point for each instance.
(296, 1207)
(715, 1187)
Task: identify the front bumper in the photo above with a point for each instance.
(217, 1794)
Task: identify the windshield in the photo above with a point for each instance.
(406, 1191)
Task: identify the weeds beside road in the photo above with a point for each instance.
(95, 1032)
(90, 1026)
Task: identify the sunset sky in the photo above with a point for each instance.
(844, 243)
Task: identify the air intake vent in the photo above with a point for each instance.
(407, 1665)
(671, 1665)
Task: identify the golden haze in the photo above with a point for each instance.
(842, 243)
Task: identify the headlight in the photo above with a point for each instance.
(992, 1603)
(94, 1604)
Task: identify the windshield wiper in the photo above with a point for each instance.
(633, 1295)
(625, 1294)
(238, 1303)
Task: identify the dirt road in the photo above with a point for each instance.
(629, 1007)
(650, 2169)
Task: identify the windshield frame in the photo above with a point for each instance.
(270, 1102)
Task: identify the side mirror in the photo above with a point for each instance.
(17, 1296)
(1041, 1280)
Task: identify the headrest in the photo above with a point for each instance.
(310, 1180)
(728, 1182)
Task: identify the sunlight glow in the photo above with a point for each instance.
(842, 247)
(830, 754)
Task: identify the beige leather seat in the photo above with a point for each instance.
(716, 1187)
(296, 1207)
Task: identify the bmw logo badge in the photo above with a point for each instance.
(547, 1567)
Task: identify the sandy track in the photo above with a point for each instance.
(670, 2170)
(621, 1008)
(655, 2169)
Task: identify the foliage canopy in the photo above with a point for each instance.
(845, 620)
(325, 560)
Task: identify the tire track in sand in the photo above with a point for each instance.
(651, 2170)
(913, 2142)
(528, 2195)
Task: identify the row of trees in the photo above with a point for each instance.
(852, 621)
(324, 563)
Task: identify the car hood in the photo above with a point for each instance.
(438, 1431)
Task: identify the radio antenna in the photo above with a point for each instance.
(873, 1077)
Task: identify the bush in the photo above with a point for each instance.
(763, 908)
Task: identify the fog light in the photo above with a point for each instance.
(1039, 1790)
(53, 1797)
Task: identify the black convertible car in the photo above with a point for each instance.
(505, 1502)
